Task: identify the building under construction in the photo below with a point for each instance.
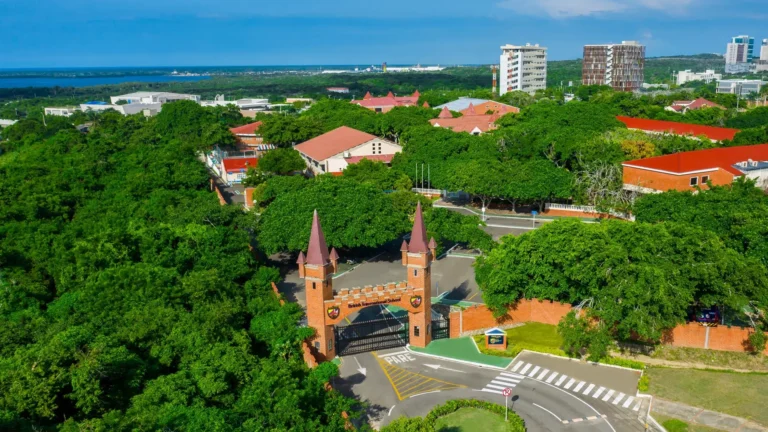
(620, 66)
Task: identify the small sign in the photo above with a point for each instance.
(495, 340)
(506, 392)
(416, 301)
(534, 212)
(333, 312)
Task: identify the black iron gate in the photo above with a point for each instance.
(441, 328)
(371, 335)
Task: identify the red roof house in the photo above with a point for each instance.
(661, 126)
(685, 106)
(333, 151)
(687, 170)
(386, 103)
(235, 169)
(473, 124)
(248, 135)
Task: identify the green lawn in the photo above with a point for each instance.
(741, 395)
(531, 336)
(462, 349)
(675, 425)
(471, 419)
(727, 359)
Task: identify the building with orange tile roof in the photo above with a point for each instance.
(685, 106)
(386, 103)
(688, 170)
(332, 152)
(493, 107)
(473, 124)
(676, 128)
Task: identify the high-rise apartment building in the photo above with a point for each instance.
(522, 68)
(620, 66)
(762, 63)
(739, 54)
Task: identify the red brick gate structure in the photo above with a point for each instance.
(326, 308)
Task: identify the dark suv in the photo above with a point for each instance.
(706, 315)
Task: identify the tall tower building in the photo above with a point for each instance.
(522, 68)
(417, 257)
(620, 66)
(762, 63)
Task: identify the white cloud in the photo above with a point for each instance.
(578, 8)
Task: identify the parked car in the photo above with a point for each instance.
(709, 315)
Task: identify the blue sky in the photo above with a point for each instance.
(89, 33)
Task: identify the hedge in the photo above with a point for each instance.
(427, 424)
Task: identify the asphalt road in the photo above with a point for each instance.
(398, 382)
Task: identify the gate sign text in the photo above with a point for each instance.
(373, 303)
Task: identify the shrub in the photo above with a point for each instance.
(644, 383)
(675, 425)
(618, 361)
(757, 341)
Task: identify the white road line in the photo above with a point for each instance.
(552, 377)
(607, 422)
(508, 380)
(543, 374)
(525, 369)
(608, 396)
(578, 387)
(592, 418)
(501, 387)
(598, 392)
(589, 389)
(628, 401)
(394, 353)
(618, 398)
(637, 406)
(560, 381)
(517, 366)
(533, 372)
(553, 414)
(570, 383)
(435, 391)
(390, 410)
(503, 383)
(511, 375)
(491, 391)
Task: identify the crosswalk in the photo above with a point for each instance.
(522, 370)
(502, 381)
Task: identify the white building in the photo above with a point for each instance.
(244, 104)
(153, 97)
(741, 87)
(332, 152)
(6, 123)
(762, 62)
(148, 109)
(707, 76)
(60, 111)
(737, 56)
(522, 68)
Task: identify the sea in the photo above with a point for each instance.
(92, 81)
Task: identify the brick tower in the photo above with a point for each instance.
(418, 257)
(317, 269)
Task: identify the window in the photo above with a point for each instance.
(313, 285)
(330, 344)
(378, 110)
(704, 179)
(415, 272)
(416, 331)
(694, 181)
(428, 326)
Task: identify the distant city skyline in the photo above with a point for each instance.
(86, 33)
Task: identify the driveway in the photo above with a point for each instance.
(399, 382)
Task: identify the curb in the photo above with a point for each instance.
(471, 363)
(588, 362)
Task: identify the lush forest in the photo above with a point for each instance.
(129, 298)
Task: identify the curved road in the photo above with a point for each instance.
(397, 383)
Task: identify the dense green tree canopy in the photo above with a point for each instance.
(281, 161)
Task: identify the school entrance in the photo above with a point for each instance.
(373, 335)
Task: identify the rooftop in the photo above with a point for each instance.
(249, 129)
(467, 123)
(725, 158)
(661, 126)
(461, 104)
(233, 165)
(334, 142)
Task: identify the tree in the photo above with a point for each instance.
(757, 341)
(281, 161)
(377, 174)
(276, 186)
(352, 215)
(286, 130)
(574, 331)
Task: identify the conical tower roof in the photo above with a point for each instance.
(367, 96)
(445, 113)
(418, 242)
(470, 111)
(317, 252)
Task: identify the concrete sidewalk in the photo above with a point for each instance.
(704, 417)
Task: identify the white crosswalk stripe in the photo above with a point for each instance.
(505, 381)
(589, 389)
(598, 392)
(525, 369)
(608, 395)
(502, 381)
(578, 387)
(500, 387)
(637, 406)
(570, 383)
(628, 401)
(543, 374)
(618, 398)
(560, 381)
(552, 377)
(517, 366)
(491, 391)
(512, 375)
(533, 372)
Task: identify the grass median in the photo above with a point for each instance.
(471, 419)
(737, 394)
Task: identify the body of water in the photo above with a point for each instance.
(94, 81)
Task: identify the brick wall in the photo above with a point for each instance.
(664, 182)
(478, 318)
(721, 338)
